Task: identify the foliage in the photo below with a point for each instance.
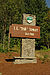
(43, 47)
(45, 56)
(45, 59)
(11, 12)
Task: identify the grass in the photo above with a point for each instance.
(44, 50)
(46, 56)
(43, 55)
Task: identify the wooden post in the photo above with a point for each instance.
(9, 41)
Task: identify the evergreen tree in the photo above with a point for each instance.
(11, 12)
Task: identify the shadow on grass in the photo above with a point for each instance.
(9, 60)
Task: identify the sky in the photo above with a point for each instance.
(48, 3)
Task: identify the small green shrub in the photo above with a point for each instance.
(45, 56)
(3, 51)
(1, 48)
(40, 58)
(43, 47)
(49, 49)
(10, 54)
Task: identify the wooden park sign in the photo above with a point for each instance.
(24, 31)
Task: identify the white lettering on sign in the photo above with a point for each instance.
(16, 28)
(23, 28)
(32, 29)
(26, 33)
(32, 34)
(36, 29)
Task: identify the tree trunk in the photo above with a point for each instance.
(9, 41)
(4, 35)
(48, 46)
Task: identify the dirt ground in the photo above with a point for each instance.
(8, 68)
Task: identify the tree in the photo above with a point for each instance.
(38, 8)
(47, 20)
(10, 14)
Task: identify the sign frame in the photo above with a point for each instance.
(24, 31)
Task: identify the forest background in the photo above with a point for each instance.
(11, 12)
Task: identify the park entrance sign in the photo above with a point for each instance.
(28, 31)
(24, 31)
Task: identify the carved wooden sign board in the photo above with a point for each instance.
(24, 31)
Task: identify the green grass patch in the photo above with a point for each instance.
(42, 50)
(45, 56)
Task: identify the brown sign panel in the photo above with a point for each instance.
(25, 31)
